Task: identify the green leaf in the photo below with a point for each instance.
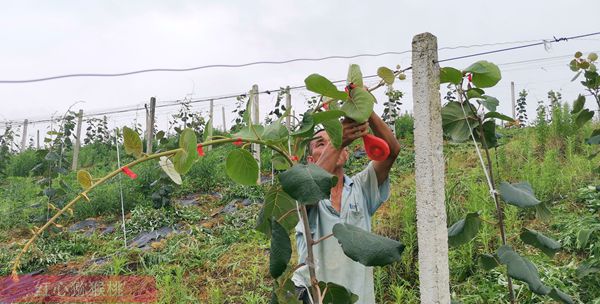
(584, 116)
(520, 268)
(578, 104)
(490, 102)
(208, 131)
(167, 166)
(160, 135)
(334, 129)
(132, 142)
(336, 294)
(250, 132)
(488, 261)
(84, 178)
(560, 296)
(386, 74)
(586, 268)
(279, 162)
(285, 293)
(275, 132)
(321, 85)
(281, 249)
(367, 248)
(52, 156)
(355, 75)
(519, 194)
(184, 160)
(497, 115)
(277, 203)
(464, 230)
(241, 167)
(306, 127)
(594, 140)
(450, 75)
(307, 184)
(327, 115)
(485, 74)
(475, 93)
(360, 105)
(489, 134)
(583, 237)
(455, 124)
(547, 245)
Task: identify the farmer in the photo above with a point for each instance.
(353, 200)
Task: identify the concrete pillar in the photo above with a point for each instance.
(24, 138)
(77, 141)
(255, 118)
(150, 116)
(432, 233)
(224, 122)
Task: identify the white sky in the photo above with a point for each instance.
(47, 38)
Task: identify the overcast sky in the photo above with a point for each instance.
(47, 38)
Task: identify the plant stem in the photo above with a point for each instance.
(322, 239)
(310, 260)
(499, 209)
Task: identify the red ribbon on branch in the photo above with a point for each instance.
(128, 172)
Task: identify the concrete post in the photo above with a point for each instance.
(224, 123)
(212, 121)
(432, 234)
(512, 92)
(24, 138)
(77, 141)
(255, 120)
(288, 105)
(38, 140)
(150, 124)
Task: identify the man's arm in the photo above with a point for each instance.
(381, 130)
(351, 131)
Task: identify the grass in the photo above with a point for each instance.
(223, 260)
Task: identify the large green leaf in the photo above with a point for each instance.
(327, 115)
(307, 184)
(547, 245)
(132, 142)
(168, 167)
(455, 124)
(560, 296)
(250, 132)
(485, 74)
(578, 104)
(450, 75)
(386, 74)
(277, 203)
(241, 167)
(584, 116)
(475, 93)
(281, 249)
(279, 162)
(497, 115)
(360, 105)
(355, 75)
(367, 248)
(464, 230)
(84, 178)
(520, 268)
(587, 268)
(336, 294)
(489, 134)
(275, 132)
(519, 194)
(307, 126)
(284, 293)
(321, 85)
(184, 159)
(334, 129)
(583, 236)
(488, 261)
(208, 130)
(489, 102)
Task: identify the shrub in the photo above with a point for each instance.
(22, 163)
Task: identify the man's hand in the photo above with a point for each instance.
(353, 130)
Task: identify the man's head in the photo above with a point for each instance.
(317, 146)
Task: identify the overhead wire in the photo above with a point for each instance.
(229, 96)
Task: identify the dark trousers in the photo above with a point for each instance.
(302, 294)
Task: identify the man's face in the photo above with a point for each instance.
(318, 147)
